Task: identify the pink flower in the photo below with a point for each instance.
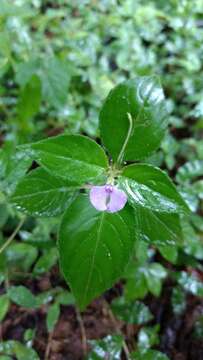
(107, 198)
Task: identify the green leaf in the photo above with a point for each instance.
(13, 168)
(21, 255)
(158, 228)
(55, 81)
(148, 337)
(41, 194)
(149, 355)
(52, 316)
(46, 261)
(144, 278)
(189, 171)
(136, 286)
(170, 253)
(54, 77)
(154, 274)
(4, 306)
(65, 298)
(94, 248)
(109, 348)
(72, 157)
(131, 312)
(25, 71)
(20, 351)
(22, 296)
(178, 300)
(134, 112)
(150, 187)
(30, 99)
(190, 283)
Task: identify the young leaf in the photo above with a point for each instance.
(42, 194)
(156, 227)
(94, 248)
(150, 187)
(22, 296)
(134, 113)
(52, 316)
(72, 157)
(154, 274)
(46, 261)
(30, 99)
(4, 306)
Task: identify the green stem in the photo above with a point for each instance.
(121, 154)
(10, 239)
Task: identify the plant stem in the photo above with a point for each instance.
(82, 330)
(48, 348)
(118, 331)
(120, 156)
(10, 239)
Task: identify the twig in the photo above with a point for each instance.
(118, 331)
(82, 330)
(10, 239)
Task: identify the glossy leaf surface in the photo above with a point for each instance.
(94, 248)
(72, 157)
(158, 228)
(109, 348)
(142, 100)
(41, 194)
(131, 312)
(151, 188)
(20, 351)
(22, 296)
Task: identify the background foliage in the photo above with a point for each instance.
(58, 61)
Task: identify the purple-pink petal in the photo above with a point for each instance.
(117, 201)
(107, 198)
(98, 197)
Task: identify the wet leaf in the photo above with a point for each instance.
(22, 296)
(108, 348)
(94, 248)
(151, 188)
(72, 157)
(142, 100)
(158, 228)
(190, 170)
(131, 312)
(41, 194)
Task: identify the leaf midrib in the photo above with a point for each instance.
(93, 257)
(45, 192)
(82, 162)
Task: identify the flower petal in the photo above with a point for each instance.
(98, 197)
(117, 201)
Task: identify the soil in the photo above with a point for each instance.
(65, 343)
